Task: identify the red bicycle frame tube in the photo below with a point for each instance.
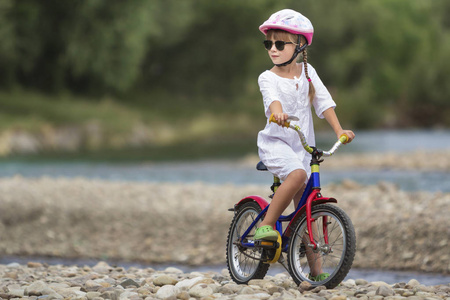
(325, 229)
(313, 199)
(309, 219)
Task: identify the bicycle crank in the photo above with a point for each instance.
(273, 249)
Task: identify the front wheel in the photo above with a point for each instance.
(244, 263)
(334, 257)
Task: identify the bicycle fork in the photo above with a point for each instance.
(309, 220)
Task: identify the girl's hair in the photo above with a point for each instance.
(281, 35)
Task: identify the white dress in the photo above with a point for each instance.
(280, 148)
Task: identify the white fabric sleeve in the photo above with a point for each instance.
(268, 89)
(322, 100)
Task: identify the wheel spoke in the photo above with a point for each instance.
(244, 263)
(327, 257)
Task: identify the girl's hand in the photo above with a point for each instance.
(281, 118)
(348, 133)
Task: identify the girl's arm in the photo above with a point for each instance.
(277, 110)
(330, 116)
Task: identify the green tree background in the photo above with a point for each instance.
(386, 62)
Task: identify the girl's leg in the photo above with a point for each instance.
(284, 195)
(298, 196)
(314, 259)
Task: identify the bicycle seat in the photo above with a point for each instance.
(261, 167)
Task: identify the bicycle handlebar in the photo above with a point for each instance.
(343, 139)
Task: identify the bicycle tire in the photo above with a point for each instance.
(336, 258)
(241, 266)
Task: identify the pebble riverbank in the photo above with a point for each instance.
(102, 281)
(188, 223)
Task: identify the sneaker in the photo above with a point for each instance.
(319, 277)
(266, 233)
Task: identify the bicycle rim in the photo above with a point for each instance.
(244, 264)
(334, 257)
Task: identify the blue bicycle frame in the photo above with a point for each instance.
(313, 183)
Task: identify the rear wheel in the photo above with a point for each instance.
(334, 257)
(244, 263)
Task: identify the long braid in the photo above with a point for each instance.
(312, 90)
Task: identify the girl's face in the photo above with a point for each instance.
(281, 56)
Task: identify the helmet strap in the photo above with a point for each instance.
(298, 49)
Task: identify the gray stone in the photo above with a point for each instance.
(167, 291)
(272, 289)
(57, 296)
(361, 282)
(37, 288)
(400, 285)
(287, 295)
(236, 288)
(385, 291)
(407, 293)
(13, 265)
(200, 291)
(129, 295)
(412, 283)
(164, 280)
(102, 268)
(92, 295)
(110, 294)
(188, 283)
(338, 297)
(261, 295)
(379, 283)
(16, 293)
(129, 282)
(92, 286)
(32, 264)
(259, 282)
(72, 292)
(246, 297)
(425, 295)
(318, 289)
(349, 282)
(361, 292)
(349, 292)
(305, 286)
(183, 295)
(247, 291)
(225, 290)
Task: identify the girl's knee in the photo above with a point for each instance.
(298, 175)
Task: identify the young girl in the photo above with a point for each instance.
(289, 89)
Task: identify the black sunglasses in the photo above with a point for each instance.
(278, 44)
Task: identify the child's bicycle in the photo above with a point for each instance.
(319, 238)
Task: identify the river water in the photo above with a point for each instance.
(222, 171)
(228, 171)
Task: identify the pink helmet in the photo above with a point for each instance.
(291, 21)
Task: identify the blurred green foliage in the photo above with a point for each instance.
(386, 62)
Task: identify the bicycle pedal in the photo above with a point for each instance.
(267, 244)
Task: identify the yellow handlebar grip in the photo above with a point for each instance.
(344, 139)
(273, 120)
